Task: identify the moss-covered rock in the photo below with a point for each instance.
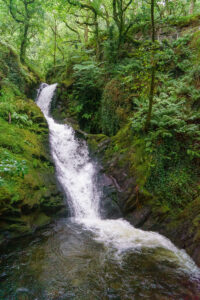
(27, 178)
(20, 78)
(29, 197)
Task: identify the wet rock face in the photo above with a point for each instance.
(109, 206)
(139, 216)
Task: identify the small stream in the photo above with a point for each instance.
(85, 256)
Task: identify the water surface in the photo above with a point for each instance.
(65, 261)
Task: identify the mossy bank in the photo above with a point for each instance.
(29, 197)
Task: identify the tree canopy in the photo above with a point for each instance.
(36, 28)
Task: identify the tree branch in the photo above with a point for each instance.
(9, 5)
(72, 29)
(128, 4)
(128, 27)
(85, 23)
(82, 6)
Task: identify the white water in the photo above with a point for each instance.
(76, 174)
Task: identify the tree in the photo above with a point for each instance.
(92, 7)
(22, 12)
(120, 8)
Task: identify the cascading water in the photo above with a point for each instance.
(76, 174)
(74, 169)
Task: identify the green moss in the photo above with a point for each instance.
(41, 219)
(195, 46)
(195, 42)
(13, 73)
(26, 172)
(95, 140)
(187, 223)
(114, 108)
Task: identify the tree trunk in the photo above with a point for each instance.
(168, 12)
(9, 118)
(118, 18)
(153, 70)
(192, 5)
(151, 96)
(121, 24)
(86, 31)
(55, 44)
(97, 36)
(152, 20)
(24, 43)
(120, 37)
(106, 17)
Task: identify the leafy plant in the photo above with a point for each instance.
(21, 119)
(11, 166)
(87, 94)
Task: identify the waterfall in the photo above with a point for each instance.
(76, 173)
(74, 169)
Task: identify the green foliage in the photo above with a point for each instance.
(110, 48)
(172, 176)
(170, 149)
(87, 94)
(15, 78)
(113, 108)
(169, 118)
(21, 119)
(22, 133)
(12, 167)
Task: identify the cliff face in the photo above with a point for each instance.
(29, 196)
